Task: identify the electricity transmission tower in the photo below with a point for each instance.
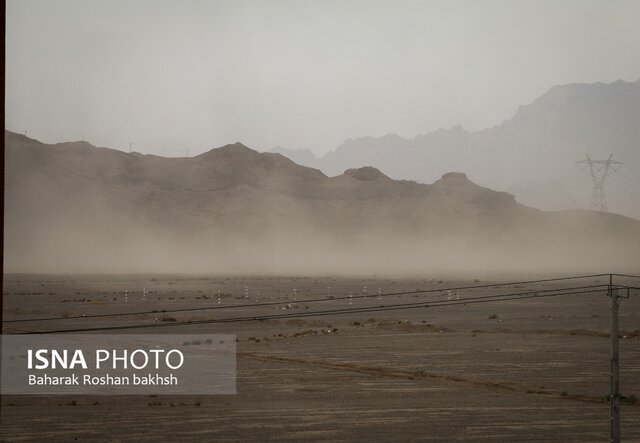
(599, 170)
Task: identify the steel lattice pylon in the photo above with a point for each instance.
(599, 170)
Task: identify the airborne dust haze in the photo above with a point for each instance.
(76, 208)
(167, 77)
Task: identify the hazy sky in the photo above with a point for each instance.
(167, 75)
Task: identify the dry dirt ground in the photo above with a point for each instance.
(534, 370)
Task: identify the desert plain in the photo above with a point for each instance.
(533, 369)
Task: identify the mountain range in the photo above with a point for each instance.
(531, 155)
(76, 207)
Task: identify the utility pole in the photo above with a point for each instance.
(614, 399)
(599, 170)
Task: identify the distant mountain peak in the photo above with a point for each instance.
(455, 181)
(236, 149)
(237, 146)
(282, 150)
(304, 157)
(457, 176)
(366, 173)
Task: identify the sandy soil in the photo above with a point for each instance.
(529, 370)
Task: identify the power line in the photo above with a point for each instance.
(628, 177)
(316, 300)
(626, 276)
(628, 191)
(325, 313)
(209, 308)
(533, 189)
(395, 307)
(564, 187)
(630, 185)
